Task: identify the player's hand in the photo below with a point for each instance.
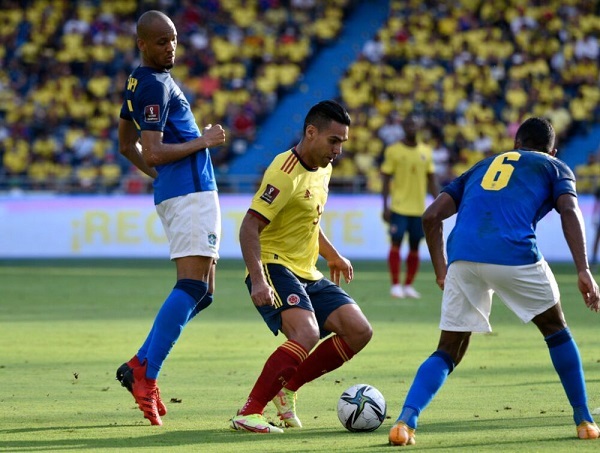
(440, 282)
(387, 215)
(338, 267)
(440, 278)
(589, 290)
(262, 294)
(213, 135)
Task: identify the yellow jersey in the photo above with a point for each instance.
(409, 167)
(291, 199)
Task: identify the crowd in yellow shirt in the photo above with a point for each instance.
(63, 67)
(471, 71)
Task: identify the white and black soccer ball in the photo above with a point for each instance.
(361, 408)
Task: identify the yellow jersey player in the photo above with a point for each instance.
(281, 239)
(408, 174)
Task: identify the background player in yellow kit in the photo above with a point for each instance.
(408, 174)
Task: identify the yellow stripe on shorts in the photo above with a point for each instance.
(278, 303)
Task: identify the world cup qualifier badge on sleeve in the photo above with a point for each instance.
(270, 194)
(152, 113)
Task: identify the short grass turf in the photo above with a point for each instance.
(66, 325)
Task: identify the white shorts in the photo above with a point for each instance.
(192, 224)
(467, 302)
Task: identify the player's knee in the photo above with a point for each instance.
(300, 325)
(311, 337)
(307, 336)
(196, 289)
(204, 302)
(358, 334)
(364, 333)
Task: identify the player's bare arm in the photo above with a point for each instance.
(385, 194)
(433, 186)
(338, 265)
(130, 147)
(252, 226)
(155, 152)
(433, 226)
(573, 229)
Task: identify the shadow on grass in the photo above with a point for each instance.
(472, 436)
(74, 438)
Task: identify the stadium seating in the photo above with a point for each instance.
(64, 66)
(471, 71)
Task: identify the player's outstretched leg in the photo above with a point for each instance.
(567, 363)
(278, 368)
(430, 377)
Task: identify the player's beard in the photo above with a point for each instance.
(170, 62)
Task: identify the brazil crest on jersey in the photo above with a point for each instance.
(291, 199)
(154, 102)
(500, 201)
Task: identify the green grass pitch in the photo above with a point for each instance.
(65, 326)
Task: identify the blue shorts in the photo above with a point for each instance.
(400, 224)
(322, 297)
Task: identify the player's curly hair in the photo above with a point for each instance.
(323, 113)
(536, 133)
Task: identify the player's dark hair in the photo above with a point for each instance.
(537, 134)
(323, 113)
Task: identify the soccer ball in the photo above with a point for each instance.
(361, 408)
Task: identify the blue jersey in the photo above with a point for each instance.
(154, 102)
(500, 201)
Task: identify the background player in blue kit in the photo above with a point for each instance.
(492, 249)
(158, 133)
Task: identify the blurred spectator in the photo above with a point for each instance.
(391, 131)
(483, 144)
(463, 66)
(441, 161)
(374, 50)
(63, 66)
(109, 173)
(475, 70)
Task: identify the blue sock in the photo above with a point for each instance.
(430, 377)
(204, 303)
(170, 320)
(143, 351)
(567, 363)
(194, 289)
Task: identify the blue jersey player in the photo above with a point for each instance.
(493, 249)
(158, 134)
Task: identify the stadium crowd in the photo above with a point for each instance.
(469, 70)
(63, 67)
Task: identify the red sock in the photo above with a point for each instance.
(394, 264)
(412, 266)
(278, 369)
(329, 355)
